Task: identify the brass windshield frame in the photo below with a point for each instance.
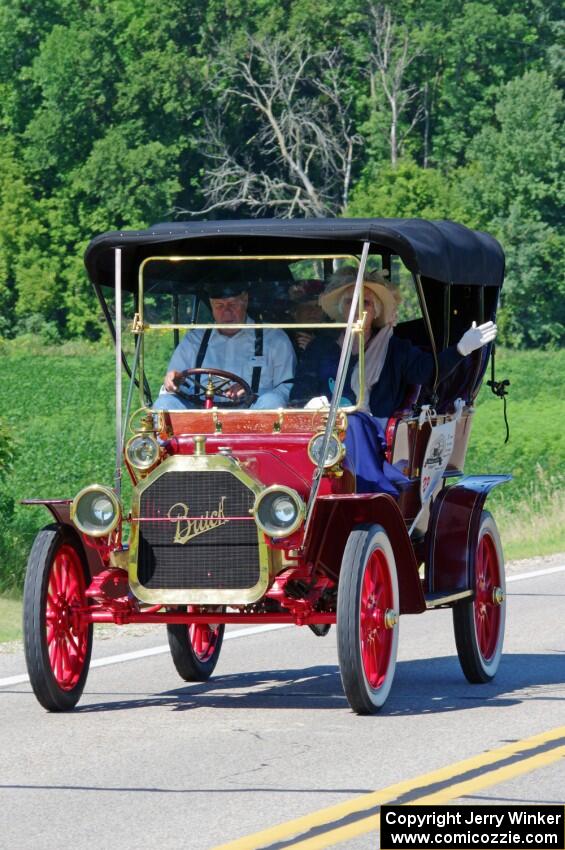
(141, 327)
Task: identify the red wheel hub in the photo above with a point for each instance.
(67, 638)
(376, 637)
(487, 611)
(203, 637)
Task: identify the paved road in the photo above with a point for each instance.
(147, 761)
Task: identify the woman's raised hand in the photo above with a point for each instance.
(476, 337)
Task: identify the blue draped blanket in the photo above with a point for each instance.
(365, 457)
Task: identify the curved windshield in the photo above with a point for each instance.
(262, 333)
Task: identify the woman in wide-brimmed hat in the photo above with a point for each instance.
(384, 298)
(392, 365)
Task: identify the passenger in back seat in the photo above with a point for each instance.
(391, 366)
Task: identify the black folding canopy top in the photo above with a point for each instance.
(441, 250)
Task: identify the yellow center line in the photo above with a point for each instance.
(452, 792)
(419, 785)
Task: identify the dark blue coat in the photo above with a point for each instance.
(405, 364)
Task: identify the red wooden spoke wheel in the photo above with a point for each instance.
(67, 641)
(57, 642)
(479, 624)
(376, 600)
(195, 649)
(367, 618)
(487, 611)
(204, 639)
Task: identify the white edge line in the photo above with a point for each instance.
(253, 630)
(154, 650)
(548, 572)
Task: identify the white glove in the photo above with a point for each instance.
(476, 337)
(317, 403)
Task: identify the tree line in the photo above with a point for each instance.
(119, 113)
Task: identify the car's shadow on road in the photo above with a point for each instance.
(427, 686)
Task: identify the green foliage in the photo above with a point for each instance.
(7, 451)
(478, 52)
(7, 501)
(519, 160)
(103, 126)
(75, 71)
(18, 229)
(515, 188)
(33, 327)
(124, 182)
(403, 192)
(104, 110)
(533, 300)
(23, 26)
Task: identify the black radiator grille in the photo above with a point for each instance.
(222, 557)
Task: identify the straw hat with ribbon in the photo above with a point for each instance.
(375, 282)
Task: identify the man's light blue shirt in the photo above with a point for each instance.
(237, 354)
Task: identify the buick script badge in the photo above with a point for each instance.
(188, 527)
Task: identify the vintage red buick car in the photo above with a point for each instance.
(243, 501)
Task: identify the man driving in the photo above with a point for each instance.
(264, 358)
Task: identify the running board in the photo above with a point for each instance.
(438, 600)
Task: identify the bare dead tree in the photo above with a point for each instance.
(341, 144)
(298, 160)
(391, 56)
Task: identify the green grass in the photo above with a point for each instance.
(530, 511)
(536, 524)
(59, 403)
(10, 619)
(535, 410)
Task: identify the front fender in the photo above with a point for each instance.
(60, 509)
(334, 518)
(452, 537)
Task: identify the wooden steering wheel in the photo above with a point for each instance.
(202, 393)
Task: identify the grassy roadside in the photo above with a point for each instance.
(536, 524)
(530, 511)
(10, 619)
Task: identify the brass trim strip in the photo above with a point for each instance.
(357, 328)
(172, 258)
(277, 411)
